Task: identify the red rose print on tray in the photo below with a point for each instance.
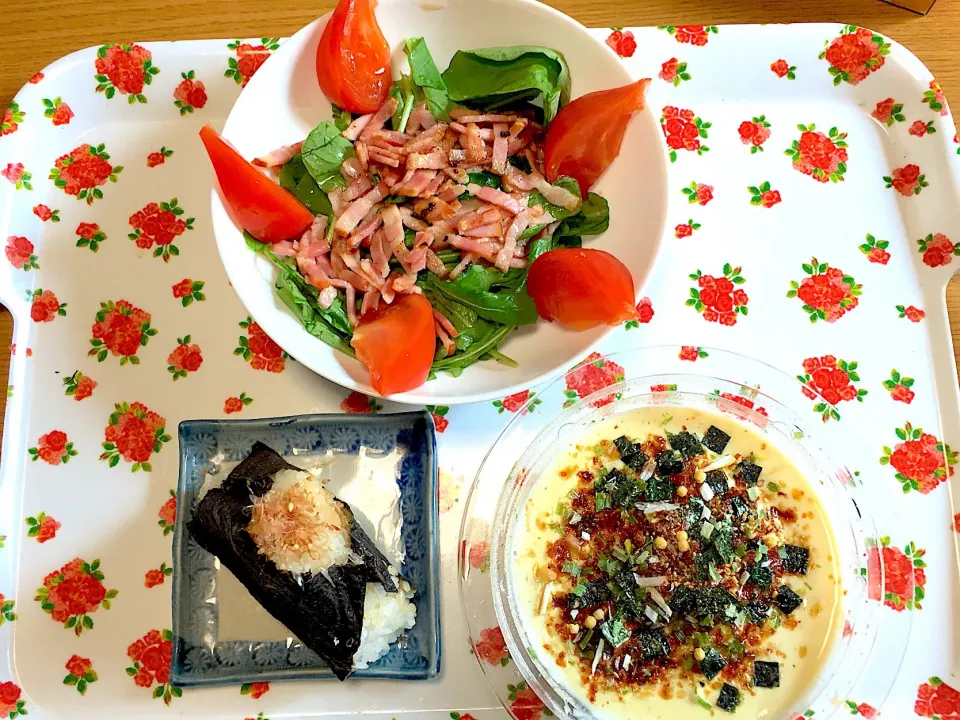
(124, 68)
(781, 68)
(185, 358)
(831, 380)
(698, 35)
(921, 460)
(622, 42)
(888, 112)
(7, 613)
(11, 119)
(156, 576)
(919, 128)
(18, 176)
(717, 298)
(698, 193)
(461, 716)
(524, 703)
(876, 250)
(11, 705)
(89, 235)
(259, 350)
(19, 252)
(674, 72)
(187, 290)
(518, 402)
(159, 225)
(855, 54)
(42, 527)
(591, 375)
(935, 99)
(73, 593)
(80, 673)
(691, 353)
(236, 404)
(356, 403)
(121, 329)
(938, 250)
(44, 306)
(491, 648)
(45, 213)
(190, 94)
(936, 699)
(159, 157)
(53, 448)
(742, 405)
(822, 157)
(763, 195)
(255, 690)
(680, 231)
(168, 514)
(248, 59)
(83, 170)
(754, 132)
(899, 387)
(827, 294)
(863, 710)
(57, 111)
(913, 314)
(439, 415)
(644, 313)
(683, 131)
(135, 433)
(907, 180)
(904, 577)
(150, 656)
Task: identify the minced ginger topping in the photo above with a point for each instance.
(301, 527)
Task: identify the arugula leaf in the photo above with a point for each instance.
(426, 75)
(493, 295)
(485, 179)
(492, 78)
(295, 178)
(323, 154)
(455, 364)
(593, 219)
(341, 118)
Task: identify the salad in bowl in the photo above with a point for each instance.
(428, 219)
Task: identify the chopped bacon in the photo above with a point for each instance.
(519, 180)
(411, 221)
(313, 242)
(356, 127)
(448, 345)
(367, 227)
(419, 182)
(501, 139)
(393, 233)
(465, 261)
(431, 189)
(433, 209)
(392, 136)
(377, 155)
(284, 248)
(427, 139)
(472, 245)
(363, 155)
(473, 144)
(430, 161)
(280, 156)
(490, 118)
(474, 219)
(348, 220)
(519, 224)
(357, 187)
(327, 296)
(435, 264)
(351, 169)
(337, 201)
(370, 272)
(405, 282)
(352, 305)
(486, 134)
(556, 195)
(370, 301)
(485, 231)
(497, 197)
(379, 118)
(445, 324)
(379, 255)
(452, 192)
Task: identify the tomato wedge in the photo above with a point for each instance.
(353, 58)
(581, 288)
(263, 208)
(585, 136)
(397, 343)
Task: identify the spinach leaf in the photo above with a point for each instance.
(593, 219)
(485, 179)
(341, 118)
(323, 153)
(426, 75)
(556, 211)
(538, 247)
(477, 288)
(295, 178)
(492, 78)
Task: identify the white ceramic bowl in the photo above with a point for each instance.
(283, 102)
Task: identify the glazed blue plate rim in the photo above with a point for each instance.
(420, 446)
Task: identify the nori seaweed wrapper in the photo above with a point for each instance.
(748, 472)
(787, 600)
(717, 480)
(683, 601)
(795, 559)
(669, 462)
(658, 489)
(712, 663)
(766, 674)
(630, 453)
(715, 439)
(686, 443)
(592, 593)
(761, 576)
(326, 615)
(713, 601)
(653, 644)
(758, 611)
(729, 698)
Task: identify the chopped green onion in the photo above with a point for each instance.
(714, 575)
(571, 568)
(773, 487)
(603, 501)
(620, 554)
(561, 508)
(753, 493)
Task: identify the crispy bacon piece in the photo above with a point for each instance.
(279, 156)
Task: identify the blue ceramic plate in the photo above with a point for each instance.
(201, 653)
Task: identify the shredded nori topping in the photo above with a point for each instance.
(766, 674)
(729, 698)
(717, 480)
(748, 472)
(624, 446)
(615, 632)
(669, 462)
(653, 644)
(658, 489)
(627, 493)
(758, 611)
(787, 600)
(761, 576)
(712, 601)
(588, 594)
(715, 439)
(712, 663)
(795, 559)
(686, 443)
(684, 600)
(739, 507)
(630, 453)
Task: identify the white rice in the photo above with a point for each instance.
(385, 616)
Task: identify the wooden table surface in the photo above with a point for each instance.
(40, 31)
